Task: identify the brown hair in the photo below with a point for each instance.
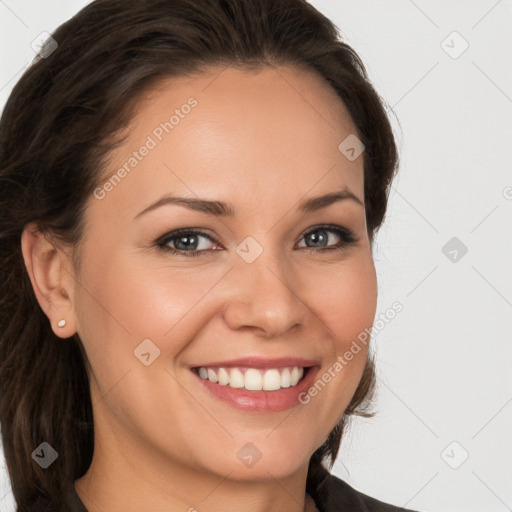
(55, 134)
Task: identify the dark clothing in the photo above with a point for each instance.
(331, 495)
(335, 495)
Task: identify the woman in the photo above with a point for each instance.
(190, 191)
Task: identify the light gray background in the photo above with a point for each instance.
(444, 361)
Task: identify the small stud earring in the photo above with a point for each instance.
(61, 323)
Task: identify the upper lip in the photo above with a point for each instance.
(260, 362)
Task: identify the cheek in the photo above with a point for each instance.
(347, 309)
(132, 298)
(345, 299)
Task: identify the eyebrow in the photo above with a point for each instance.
(221, 209)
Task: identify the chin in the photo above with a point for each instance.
(264, 471)
(263, 463)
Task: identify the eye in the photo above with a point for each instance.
(319, 236)
(187, 241)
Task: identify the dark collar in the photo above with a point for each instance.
(334, 495)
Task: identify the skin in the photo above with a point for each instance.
(262, 141)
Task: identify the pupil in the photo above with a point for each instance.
(316, 238)
(180, 240)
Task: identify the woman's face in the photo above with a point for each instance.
(259, 298)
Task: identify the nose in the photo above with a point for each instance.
(264, 296)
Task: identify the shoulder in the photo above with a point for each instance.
(334, 494)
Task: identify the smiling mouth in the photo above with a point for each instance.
(253, 379)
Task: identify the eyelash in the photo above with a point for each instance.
(347, 237)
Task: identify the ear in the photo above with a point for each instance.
(51, 275)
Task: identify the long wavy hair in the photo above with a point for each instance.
(56, 132)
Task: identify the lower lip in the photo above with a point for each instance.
(262, 401)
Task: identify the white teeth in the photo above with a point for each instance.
(271, 380)
(254, 379)
(223, 377)
(285, 378)
(212, 376)
(236, 378)
(295, 376)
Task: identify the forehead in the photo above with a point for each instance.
(229, 132)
